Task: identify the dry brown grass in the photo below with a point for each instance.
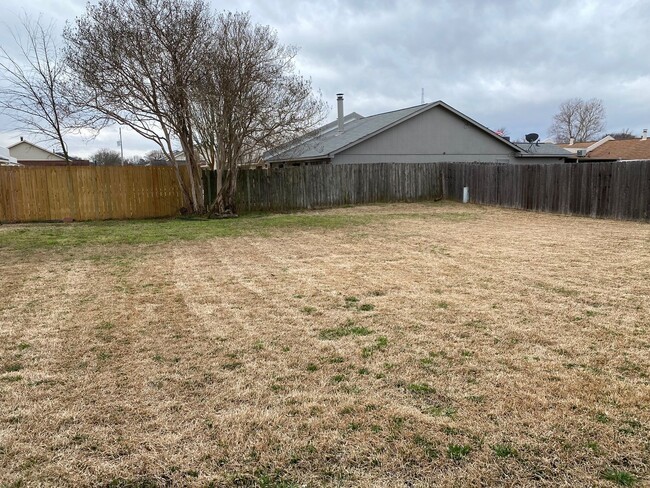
(520, 340)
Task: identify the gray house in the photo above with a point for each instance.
(432, 132)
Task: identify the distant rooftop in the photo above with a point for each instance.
(623, 149)
(355, 127)
(543, 149)
(327, 140)
(578, 145)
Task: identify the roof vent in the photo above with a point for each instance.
(339, 102)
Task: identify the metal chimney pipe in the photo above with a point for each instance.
(644, 137)
(339, 102)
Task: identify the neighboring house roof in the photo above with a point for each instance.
(157, 162)
(327, 141)
(317, 143)
(28, 151)
(6, 159)
(577, 145)
(46, 162)
(585, 147)
(181, 159)
(623, 149)
(30, 154)
(543, 149)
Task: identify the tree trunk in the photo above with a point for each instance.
(230, 197)
(64, 149)
(181, 184)
(218, 203)
(196, 185)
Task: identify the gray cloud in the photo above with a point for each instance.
(506, 63)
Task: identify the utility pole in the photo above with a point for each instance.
(119, 143)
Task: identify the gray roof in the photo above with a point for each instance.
(326, 141)
(543, 149)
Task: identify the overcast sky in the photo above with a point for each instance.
(505, 63)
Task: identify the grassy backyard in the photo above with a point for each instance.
(393, 345)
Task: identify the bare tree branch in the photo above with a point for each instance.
(249, 100)
(221, 87)
(34, 81)
(623, 134)
(579, 120)
(137, 62)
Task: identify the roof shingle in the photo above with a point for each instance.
(623, 149)
(578, 145)
(327, 141)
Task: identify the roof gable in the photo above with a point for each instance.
(587, 147)
(328, 142)
(28, 151)
(433, 135)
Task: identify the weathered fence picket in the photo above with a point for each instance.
(615, 190)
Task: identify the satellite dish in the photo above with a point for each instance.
(532, 137)
(533, 140)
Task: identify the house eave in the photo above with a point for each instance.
(325, 158)
(425, 108)
(533, 156)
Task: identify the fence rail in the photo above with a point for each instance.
(618, 190)
(29, 194)
(326, 185)
(615, 190)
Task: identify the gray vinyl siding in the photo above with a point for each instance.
(436, 135)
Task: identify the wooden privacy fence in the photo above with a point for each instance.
(615, 190)
(327, 185)
(30, 194)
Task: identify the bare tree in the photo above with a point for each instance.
(155, 155)
(250, 99)
(624, 134)
(137, 62)
(578, 119)
(106, 157)
(33, 83)
(135, 161)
